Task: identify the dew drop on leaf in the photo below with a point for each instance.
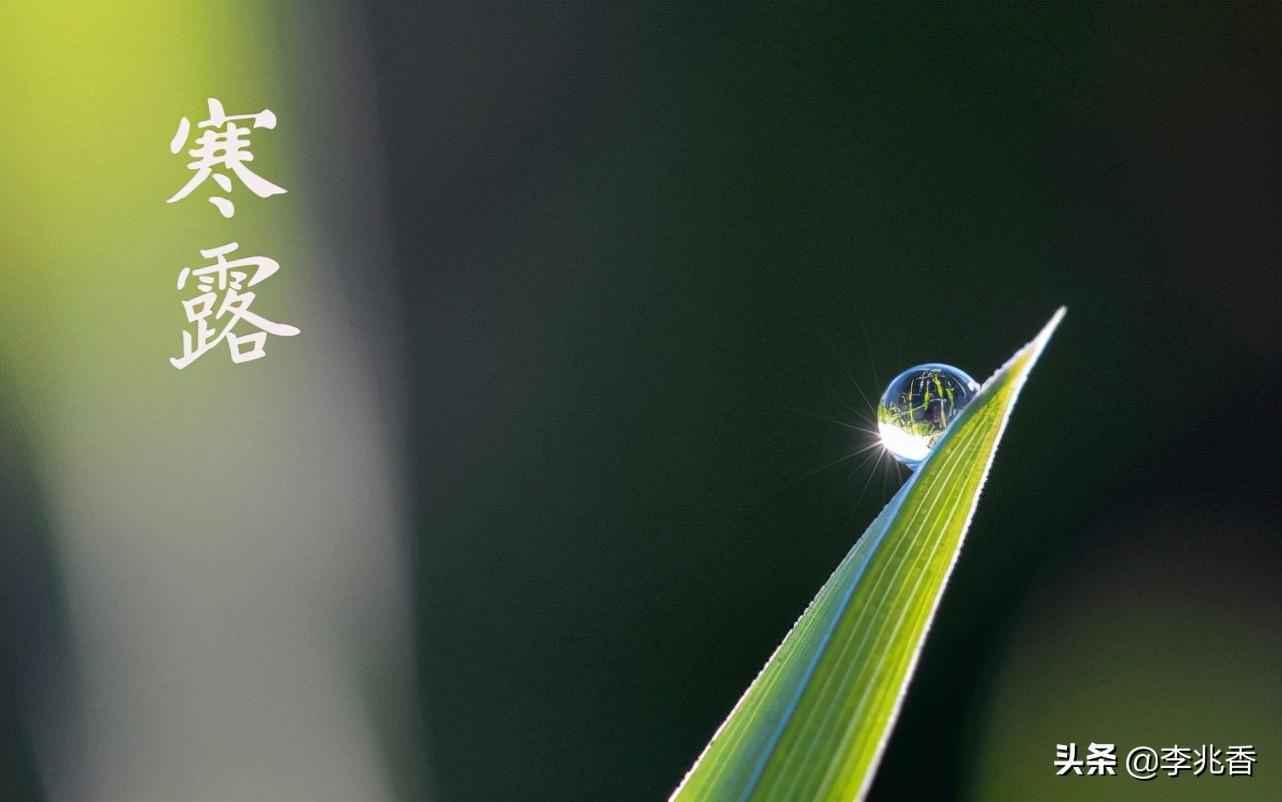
(918, 406)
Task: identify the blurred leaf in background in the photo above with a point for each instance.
(223, 546)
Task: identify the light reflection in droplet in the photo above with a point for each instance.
(918, 406)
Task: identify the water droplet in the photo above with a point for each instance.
(917, 407)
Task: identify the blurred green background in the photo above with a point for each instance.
(586, 294)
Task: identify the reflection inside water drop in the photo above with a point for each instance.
(918, 406)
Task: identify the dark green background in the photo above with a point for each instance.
(641, 246)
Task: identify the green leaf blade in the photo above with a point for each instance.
(814, 722)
